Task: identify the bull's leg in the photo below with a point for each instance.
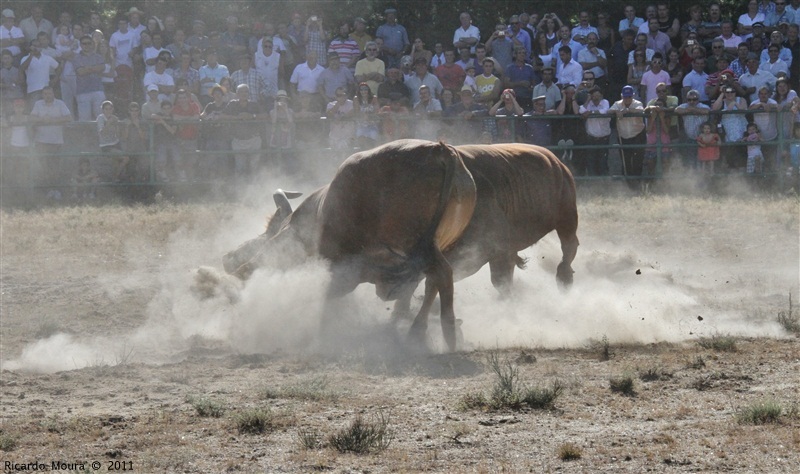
(343, 281)
(441, 275)
(502, 272)
(569, 247)
(402, 307)
(420, 325)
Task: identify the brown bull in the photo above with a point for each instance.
(386, 218)
(524, 193)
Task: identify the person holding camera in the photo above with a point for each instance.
(500, 46)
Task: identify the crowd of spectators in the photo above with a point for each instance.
(218, 103)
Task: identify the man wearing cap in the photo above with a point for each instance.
(359, 33)
(35, 24)
(336, 76)
(467, 35)
(370, 69)
(421, 78)
(754, 79)
(347, 49)
(269, 64)
(631, 131)
(395, 38)
(392, 86)
(11, 37)
(466, 115)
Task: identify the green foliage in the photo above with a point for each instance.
(253, 421)
(767, 411)
(362, 436)
(207, 407)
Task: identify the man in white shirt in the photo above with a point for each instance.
(160, 78)
(269, 63)
(37, 68)
(122, 44)
(571, 72)
(305, 79)
(592, 58)
(11, 37)
(598, 130)
(467, 35)
(35, 24)
(631, 21)
(755, 78)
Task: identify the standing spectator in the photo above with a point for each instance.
(420, 78)
(694, 114)
(696, 79)
(774, 65)
(233, 43)
(653, 77)
(694, 24)
(746, 20)
(488, 85)
(739, 65)
(631, 22)
(730, 41)
(567, 130)
(108, 131)
(765, 116)
(437, 58)
(427, 112)
(11, 37)
(305, 80)
(618, 62)
(581, 32)
(418, 51)
(548, 89)
(152, 106)
(164, 129)
(185, 71)
(370, 69)
(565, 40)
(211, 74)
(37, 69)
(708, 148)
(336, 75)
(89, 68)
(571, 72)
(283, 129)
(450, 74)
(464, 58)
(151, 53)
(519, 76)
(733, 125)
(395, 39)
(366, 112)
(160, 78)
(667, 22)
(755, 157)
(35, 24)
(657, 132)
(316, 39)
(598, 131)
(395, 119)
(656, 40)
(784, 53)
(346, 48)
(500, 46)
(122, 43)
(17, 143)
(49, 114)
(269, 63)
(10, 86)
(641, 45)
(178, 48)
(134, 135)
(393, 86)
(755, 78)
(360, 34)
(507, 106)
(469, 115)
(198, 38)
(539, 131)
(216, 137)
(340, 112)
(246, 135)
(520, 37)
(247, 75)
(467, 35)
(631, 131)
(593, 59)
(186, 114)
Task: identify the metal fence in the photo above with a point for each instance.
(81, 142)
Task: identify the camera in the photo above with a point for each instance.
(690, 42)
(501, 33)
(314, 18)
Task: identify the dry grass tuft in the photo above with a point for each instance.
(362, 436)
(207, 407)
(253, 420)
(7, 442)
(569, 452)
(760, 413)
(315, 389)
(623, 384)
(719, 343)
(790, 319)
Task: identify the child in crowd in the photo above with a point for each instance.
(755, 159)
(108, 130)
(708, 151)
(65, 43)
(84, 180)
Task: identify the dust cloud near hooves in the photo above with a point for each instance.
(623, 291)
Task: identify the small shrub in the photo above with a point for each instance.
(7, 442)
(569, 452)
(790, 319)
(542, 398)
(315, 389)
(768, 411)
(253, 421)
(654, 373)
(697, 363)
(623, 385)
(472, 401)
(207, 407)
(309, 439)
(718, 342)
(362, 437)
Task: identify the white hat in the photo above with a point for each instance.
(8, 13)
(152, 87)
(282, 93)
(135, 10)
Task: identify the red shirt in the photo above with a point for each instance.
(186, 131)
(451, 76)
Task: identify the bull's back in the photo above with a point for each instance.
(532, 189)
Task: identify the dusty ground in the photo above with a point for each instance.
(106, 352)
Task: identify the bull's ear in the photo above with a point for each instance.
(282, 201)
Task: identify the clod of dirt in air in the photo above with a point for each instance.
(699, 318)
(210, 283)
(638, 271)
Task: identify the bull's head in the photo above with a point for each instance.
(243, 261)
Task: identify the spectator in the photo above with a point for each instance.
(733, 125)
(247, 75)
(467, 35)
(316, 39)
(371, 69)
(160, 78)
(437, 59)
(64, 18)
(10, 87)
(657, 132)
(755, 78)
(548, 89)
(766, 118)
(694, 24)
(233, 42)
(598, 131)
(730, 41)
(64, 42)
(755, 158)
(607, 37)
(395, 39)
(215, 134)
(427, 112)
(134, 135)
(667, 22)
(179, 48)
(488, 85)
(367, 108)
(507, 106)
(16, 143)
(653, 77)
(35, 24)
(340, 112)
(550, 26)
(469, 115)
(108, 131)
(565, 40)
(334, 77)
(656, 40)
(567, 130)
(346, 48)
(784, 53)
(592, 58)
(539, 131)
(520, 37)
(500, 46)
(739, 65)
(152, 53)
(418, 51)
(245, 132)
(649, 12)
(211, 74)
(153, 105)
(420, 78)
(785, 97)
(708, 151)
(694, 114)
(618, 62)
(49, 114)
(696, 79)
(641, 45)
(450, 74)
(185, 71)
(84, 180)
(122, 43)
(37, 69)
(631, 22)
(198, 38)
(360, 34)
(711, 27)
(464, 59)
(581, 32)
(772, 19)
(395, 119)
(519, 77)
(774, 65)
(636, 72)
(631, 131)
(269, 64)
(164, 129)
(186, 114)
(305, 80)
(759, 33)
(394, 85)
(11, 37)
(90, 93)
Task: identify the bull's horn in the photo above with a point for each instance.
(281, 198)
(290, 194)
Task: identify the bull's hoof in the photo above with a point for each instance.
(417, 333)
(564, 276)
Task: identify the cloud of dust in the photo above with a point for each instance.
(623, 290)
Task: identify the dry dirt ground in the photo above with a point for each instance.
(112, 354)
